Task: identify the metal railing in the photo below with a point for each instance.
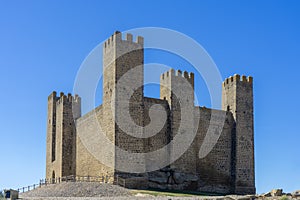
(28, 188)
(72, 178)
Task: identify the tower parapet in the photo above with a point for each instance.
(117, 37)
(68, 98)
(238, 78)
(177, 73)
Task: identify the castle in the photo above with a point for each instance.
(228, 168)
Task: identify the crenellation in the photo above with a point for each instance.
(172, 72)
(70, 98)
(52, 96)
(186, 75)
(129, 37)
(117, 38)
(140, 40)
(227, 168)
(178, 72)
(244, 78)
(237, 78)
(77, 98)
(250, 79)
(65, 98)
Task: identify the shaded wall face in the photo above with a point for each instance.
(216, 168)
(211, 173)
(156, 143)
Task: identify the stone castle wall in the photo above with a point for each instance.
(215, 168)
(226, 167)
(88, 130)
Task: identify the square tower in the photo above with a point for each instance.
(61, 135)
(237, 97)
(123, 69)
(177, 88)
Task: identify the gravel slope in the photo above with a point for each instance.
(78, 189)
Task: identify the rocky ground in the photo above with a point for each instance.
(78, 189)
(98, 191)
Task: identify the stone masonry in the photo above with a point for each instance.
(227, 168)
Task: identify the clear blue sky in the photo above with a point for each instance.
(42, 45)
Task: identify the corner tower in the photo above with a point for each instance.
(62, 111)
(119, 57)
(123, 69)
(237, 97)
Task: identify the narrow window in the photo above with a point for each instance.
(53, 144)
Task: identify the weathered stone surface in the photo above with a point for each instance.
(227, 135)
(296, 193)
(276, 192)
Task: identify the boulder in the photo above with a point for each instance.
(179, 177)
(276, 192)
(267, 194)
(296, 193)
(183, 177)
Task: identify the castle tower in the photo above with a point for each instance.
(237, 97)
(123, 66)
(178, 89)
(62, 111)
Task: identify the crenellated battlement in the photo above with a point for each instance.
(178, 73)
(238, 78)
(226, 167)
(117, 37)
(64, 98)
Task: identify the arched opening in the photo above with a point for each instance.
(53, 177)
